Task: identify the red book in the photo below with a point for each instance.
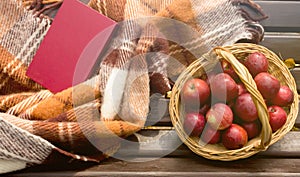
(64, 51)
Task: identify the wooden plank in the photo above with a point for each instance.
(288, 146)
(186, 166)
(296, 73)
(199, 164)
(285, 45)
(172, 174)
(281, 14)
(166, 142)
(297, 123)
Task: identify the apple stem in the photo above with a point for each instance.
(273, 110)
(192, 86)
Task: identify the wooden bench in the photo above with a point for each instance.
(281, 159)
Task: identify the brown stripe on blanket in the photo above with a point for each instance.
(8, 101)
(110, 8)
(34, 2)
(9, 86)
(80, 113)
(29, 102)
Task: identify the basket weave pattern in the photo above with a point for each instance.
(231, 53)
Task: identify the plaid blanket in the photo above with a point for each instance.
(36, 125)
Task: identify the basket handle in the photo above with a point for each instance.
(246, 78)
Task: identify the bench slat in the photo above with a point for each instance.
(281, 14)
(199, 164)
(285, 45)
(186, 166)
(166, 142)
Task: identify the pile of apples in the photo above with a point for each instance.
(232, 120)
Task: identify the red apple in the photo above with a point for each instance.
(210, 135)
(245, 108)
(267, 84)
(219, 116)
(241, 89)
(284, 97)
(234, 137)
(194, 124)
(252, 128)
(256, 63)
(277, 117)
(223, 87)
(227, 68)
(195, 93)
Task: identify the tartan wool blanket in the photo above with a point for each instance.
(88, 122)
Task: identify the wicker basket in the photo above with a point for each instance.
(231, 53)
